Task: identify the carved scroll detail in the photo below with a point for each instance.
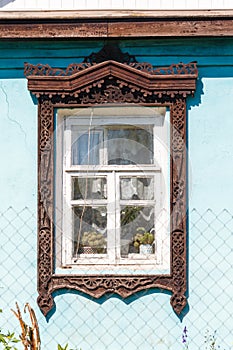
(173, 69)
(89, 84)
(112, 90)
(47, 70)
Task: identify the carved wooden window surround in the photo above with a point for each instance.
(110, 81)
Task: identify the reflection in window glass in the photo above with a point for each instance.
(89, 188)
(137, 187)
(85, 149)
(90, 230)
(118, 144)
(137, 222)
(130, 145)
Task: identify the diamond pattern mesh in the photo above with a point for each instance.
(143, 321)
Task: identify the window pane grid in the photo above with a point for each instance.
(112, 167)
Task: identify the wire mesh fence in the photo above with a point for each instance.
(144, 321)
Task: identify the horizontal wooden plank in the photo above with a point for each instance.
(144, 50)
(78, 56)
(120, 24)
(176, 28)
(113, 13)
(81, 48)
(52, 30)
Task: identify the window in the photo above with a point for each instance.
(114, 163)
(101, 186)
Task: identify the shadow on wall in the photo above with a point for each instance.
(5, 2)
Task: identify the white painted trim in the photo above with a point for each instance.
(113, 173)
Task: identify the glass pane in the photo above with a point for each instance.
(130, 145)
(137, 187)
(86, 148)
(89, 188)
(137, 229)
(90, 230)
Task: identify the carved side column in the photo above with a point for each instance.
(45, 205)
(178, 204)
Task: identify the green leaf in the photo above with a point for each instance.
(3, 338)
(15, 340)
(59, 347)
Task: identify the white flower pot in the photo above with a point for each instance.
(146, 249)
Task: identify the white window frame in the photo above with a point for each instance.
(68, 118)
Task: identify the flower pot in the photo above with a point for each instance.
(146, 249)
(86, 250)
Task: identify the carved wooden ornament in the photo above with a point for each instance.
(90, 84)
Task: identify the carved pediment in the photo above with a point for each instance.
(109, 78)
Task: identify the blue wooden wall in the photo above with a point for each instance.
(145, 321)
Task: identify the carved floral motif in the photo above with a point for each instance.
(47, 70)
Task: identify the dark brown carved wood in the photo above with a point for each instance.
(110, 51)
(88, 84)
(115, 24)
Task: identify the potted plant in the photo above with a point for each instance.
(93, 242)
(143, 241)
